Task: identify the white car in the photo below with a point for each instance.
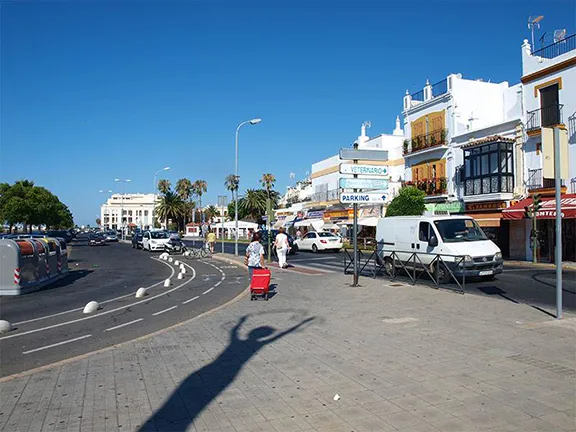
(154, 240)
(318, 241)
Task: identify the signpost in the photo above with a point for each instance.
(361, 197)
(372, 170)
(363, 183)
(222, 203)
(369, 155)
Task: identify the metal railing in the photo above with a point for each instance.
(424, 141)
(440, 88)
(418, 96)
(544, 117)
(537, 181)
(433, 186)
(328, 195)
(558, 48)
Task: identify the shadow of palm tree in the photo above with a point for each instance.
(203, 386)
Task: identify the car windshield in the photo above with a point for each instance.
(159, 235)
(326, 234)
(460, 230)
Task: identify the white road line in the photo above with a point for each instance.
(105, 312)
(310, 259)
(102, 302)
(165, 310)
(56, 344)
(208, 290)
(191, 300)
(124, 325)
(217, 284)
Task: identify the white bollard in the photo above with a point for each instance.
(182, 269)
(91, 307)
(167, 283)
(180, 275)
(5, 326)
(170, 259)
(176, 263)
(141, 292)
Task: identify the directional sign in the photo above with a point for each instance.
(375, 170)
(363, 183)
(359, 197)
(375, 155)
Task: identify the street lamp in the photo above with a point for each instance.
(154, 192)
(237, 180)
(109, 191)
(123, 181)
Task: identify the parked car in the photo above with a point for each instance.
(96, 240)
(459, 240)
(137, 240)
(274, 233)
(154, 240)
(111, 236)
(319, 241)
(65, 234)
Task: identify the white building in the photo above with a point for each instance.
(137, 211)
(300, 192)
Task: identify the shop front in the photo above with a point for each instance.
(488, 215)
(545, 226)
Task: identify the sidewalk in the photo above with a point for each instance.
(401, 358)
(566, 265)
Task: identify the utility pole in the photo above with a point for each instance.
(222, 203)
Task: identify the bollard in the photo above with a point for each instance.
(5, 326)
(180, 275)
(141, 292)
(166, 283)
(170, 259)
(91, 307)
(182, 269)
(176, 263)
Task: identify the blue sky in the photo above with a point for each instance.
(92, 90)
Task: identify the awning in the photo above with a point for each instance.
(369, 221)
(548, 210)
(487, 220)
(330, 226)
(317, 224)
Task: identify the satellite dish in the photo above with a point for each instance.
(559, 35)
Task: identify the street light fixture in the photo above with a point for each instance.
(237, 179)
(154, 192)
(123, 181)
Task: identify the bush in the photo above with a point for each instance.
(409, 202)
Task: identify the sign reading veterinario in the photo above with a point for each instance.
(375, 170)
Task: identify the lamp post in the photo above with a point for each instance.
(222, 203)
(109, 191)
(237, 179)
(122, 181)
(154, 192)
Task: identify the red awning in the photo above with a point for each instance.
(548, 210)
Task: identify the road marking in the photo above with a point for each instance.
(217, 284)
(105, 312)
(208, 290)
(306, 259)
(56, 344)
(192, 299)
(102, 302)
(165, 310)
(124, 325)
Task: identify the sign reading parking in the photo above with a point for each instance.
(363, 183)
(375, 170)
(359, 197)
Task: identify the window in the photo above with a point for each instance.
(424, 232)
(311, 235)
(489, 169)
(460, 230)
(145, 212)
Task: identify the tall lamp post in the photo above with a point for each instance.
(154, 191)
(252, 122)
(122, 181)
(222, 203)
(109, 191)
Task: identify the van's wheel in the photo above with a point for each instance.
(389, 266)
(443, 273)
(314, 248)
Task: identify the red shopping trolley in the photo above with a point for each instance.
(260, 284)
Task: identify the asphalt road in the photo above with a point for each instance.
(50, 325)
(534, 286)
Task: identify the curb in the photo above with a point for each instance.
(60, 363)
(538, 265)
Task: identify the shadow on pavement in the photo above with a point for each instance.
(72, 277)
(204, 385)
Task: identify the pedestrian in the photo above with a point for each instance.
(254, 254)
(298, 234)
(211, 238)
(281, 245)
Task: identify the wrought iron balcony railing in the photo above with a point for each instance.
(558, 48)
(544, 117)
(429, 140)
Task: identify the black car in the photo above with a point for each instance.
(61, 233)
(274, 232)
(96, 240)
(137, 240)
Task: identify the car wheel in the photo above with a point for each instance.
(389, 266)
(443, 274)
(314, 248)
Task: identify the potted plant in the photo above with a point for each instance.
(405, 146)
(443, 184)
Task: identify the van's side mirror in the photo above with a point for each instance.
(433, 242)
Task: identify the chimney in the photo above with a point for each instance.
(398, 130)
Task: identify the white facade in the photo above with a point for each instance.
(137, 209)
(301, 191)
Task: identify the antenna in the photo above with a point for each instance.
(534, 22)
(559, 35)
(542, 40)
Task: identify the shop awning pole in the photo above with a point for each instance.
(558, 181)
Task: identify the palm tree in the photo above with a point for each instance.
(231, 184)
(254, 203)
(164, 186)
(210, 212)
(171, 206)
(199, 187)
(268, 182)
(184, 191)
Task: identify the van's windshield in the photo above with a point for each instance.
(459, 230)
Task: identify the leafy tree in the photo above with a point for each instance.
(164, 186)
(409, 202)
(98, 221)
(242, 213)
(170, 206)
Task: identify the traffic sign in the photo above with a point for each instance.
(355, 154)
(363, 183)
(375, 170)
(359, 197)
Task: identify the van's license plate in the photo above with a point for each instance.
(485, 273)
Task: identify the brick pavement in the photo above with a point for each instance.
(402, 358)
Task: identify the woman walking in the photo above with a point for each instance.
(254, 254)
(281, 244)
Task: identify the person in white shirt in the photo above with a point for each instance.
(281, 245)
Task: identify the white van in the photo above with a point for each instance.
(452, 237)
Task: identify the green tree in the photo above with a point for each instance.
(170, 206)
(242, 213)
(210, 212)
(254, 203)
(98, 221)
(409, 202)
(164, 186)
(199, 187)
(184, 191)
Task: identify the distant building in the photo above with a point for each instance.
(137, 211)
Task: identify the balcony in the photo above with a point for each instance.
(434, 186)
(537, 182)
(557, 49)
(421, 142)
(544, 117)
(329, 195)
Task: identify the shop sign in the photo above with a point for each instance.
(316, 214)
(493, 205)
(451, 207)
